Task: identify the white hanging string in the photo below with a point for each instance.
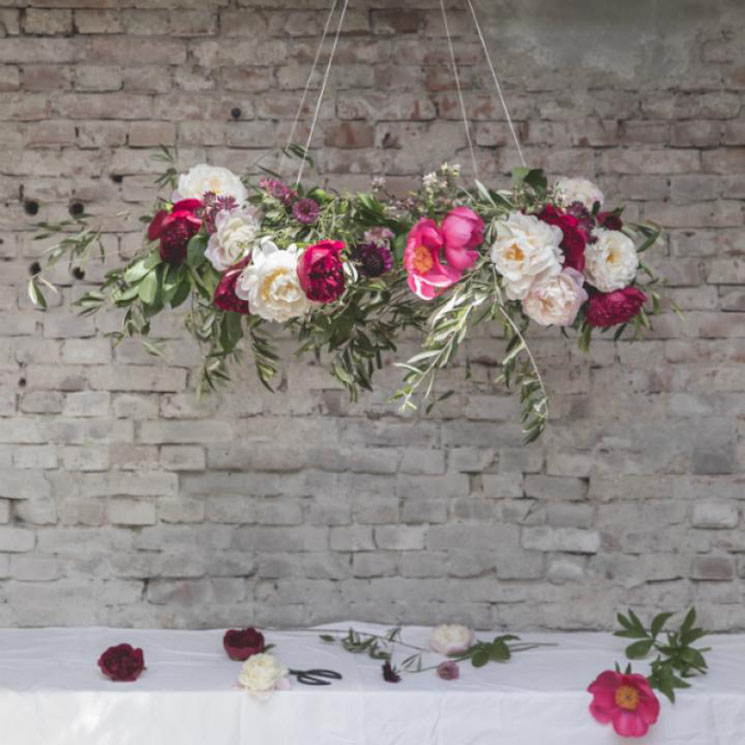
(460, 92)
(323, 89)
(496, 82)
(308, 83)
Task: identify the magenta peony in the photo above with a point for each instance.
(428, 277)
(463, 231)
(225, 297)
(321, 271)
(625, 700)
(240, 644)
(122, 663)
(175, 229)
(606, 309)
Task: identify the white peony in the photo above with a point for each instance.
(570, 190)
(234, 233)
(451, 638)
(263, 673)
(611, 262)
(526, 248)
(270, 283)
(203, 178)
(556, 300)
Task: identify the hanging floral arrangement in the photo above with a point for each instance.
(348, 274)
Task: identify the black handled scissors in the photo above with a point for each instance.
(315, 677)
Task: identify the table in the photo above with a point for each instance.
(51, 693)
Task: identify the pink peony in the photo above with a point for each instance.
(175, 229)
(428, 277)
(321, 271)
(625, 700)
(225, 297)
(607, 309)
(448, 670)
(463, 231)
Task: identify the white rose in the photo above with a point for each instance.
(451, 638)
(570, 190)
(203, 178)
(526, 248)
(263, 673)
(232, 239)
(271, 285)
(556, 300)
(611, 262)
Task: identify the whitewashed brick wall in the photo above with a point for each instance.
(125, 501)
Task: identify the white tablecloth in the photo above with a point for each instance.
(51, 693)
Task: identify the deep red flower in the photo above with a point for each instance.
(606, 309)
(321, 271)
(609, 221)
(122, 663)
(240, 644)
(175, 229)
(390, 674)
(575, 238)
(225, 297)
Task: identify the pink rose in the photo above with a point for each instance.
(428, 277)
(321, 271)
(463, 231)
(625, 700)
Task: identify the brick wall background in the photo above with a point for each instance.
(124, 501)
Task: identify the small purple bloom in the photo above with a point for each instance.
(578, 210)
(275, 188)
(390, 674)
(305, 211)
(374, 259)
(448, 670)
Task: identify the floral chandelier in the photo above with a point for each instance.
(348, 274)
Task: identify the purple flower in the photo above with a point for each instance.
(305, 211)
(374, 259)
(390, 674)
(275, 188)
(448, 670)
(584, 219)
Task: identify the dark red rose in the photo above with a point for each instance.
(175, 229)
(240, 644)
(611, 308)
(321, 271)
(575, 239)
(609, 221)
(122, 663)
(225, 297)
(390, 674)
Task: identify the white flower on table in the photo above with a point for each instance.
(263, 674)
(270, 283)
(611, 262)
(555, 301)
(450, 639)
(234, 234)
(568, 190)
(526, 248)
(204, 178)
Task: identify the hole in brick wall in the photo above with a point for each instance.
(235, 113)
(76, 208)
(22, 382)
(78, 273)
(34, 268)
(31, 206)
(389, 141)
(117, 178)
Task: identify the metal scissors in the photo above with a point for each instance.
(315, 677)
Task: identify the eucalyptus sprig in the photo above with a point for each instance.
(676, 659)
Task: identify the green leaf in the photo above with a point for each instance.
(328, 638)
(499, 651)
(148, 288)
(480, 657)
(36, 295)
(195, 250)
(140, 268)
(658, 622)
(639, 650)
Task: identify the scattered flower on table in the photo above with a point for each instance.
(390, 674)
(122, 663)
(451, 639)
(625, 700)
(448, 670)
(240, 644)
(262, 674)
(203, 178)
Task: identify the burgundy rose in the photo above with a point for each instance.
(122, 663)
(609, 220)
(575, 238)
(321, 271)
(448, 670)
(175, 229)
(390, 674)
(611, 308)
(240, 644)
(225, 297)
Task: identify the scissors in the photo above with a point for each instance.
(315, 677)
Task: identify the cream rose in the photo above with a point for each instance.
(263, 673)
(234, 233)
(555, 301)
(526, 248)
(270, 283)
(611, 262)
(568, 190)
(203, 178)
(451, 638)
